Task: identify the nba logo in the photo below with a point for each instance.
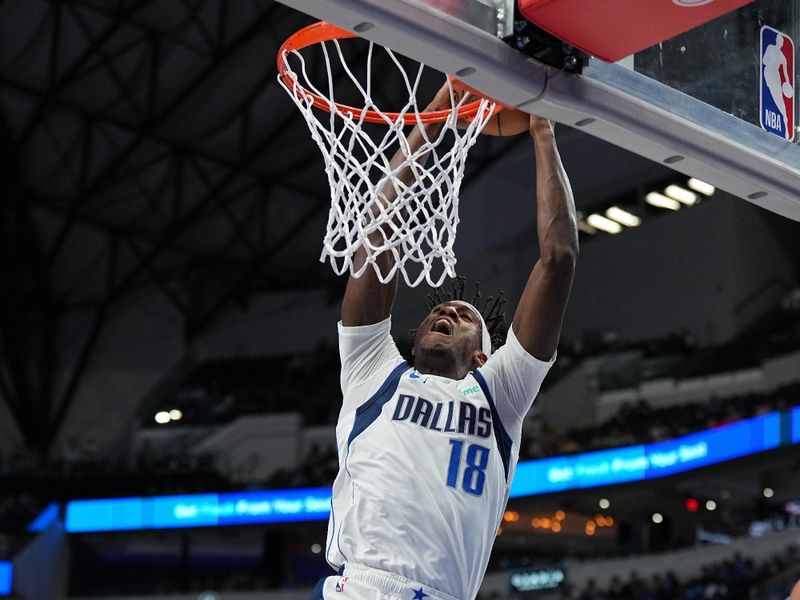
(777, 83)
(341, 583)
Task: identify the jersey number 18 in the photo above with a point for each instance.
(474, 475)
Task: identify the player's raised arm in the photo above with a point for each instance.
(540, 312)
(366, 299)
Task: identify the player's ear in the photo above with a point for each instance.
(479, 358)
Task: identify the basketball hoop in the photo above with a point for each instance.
(418, 225)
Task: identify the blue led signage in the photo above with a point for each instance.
(591, 469)
(198, 510)
(6, 578)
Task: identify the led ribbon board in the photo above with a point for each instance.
(198, 510)
(591, 469)
(6, 577)
(650, 461)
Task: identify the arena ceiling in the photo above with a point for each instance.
(146, 144)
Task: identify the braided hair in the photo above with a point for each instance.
(491, 309)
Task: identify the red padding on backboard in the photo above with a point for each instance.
(614, 29)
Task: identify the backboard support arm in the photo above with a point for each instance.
(607, 101)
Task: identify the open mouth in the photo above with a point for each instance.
(443, 326)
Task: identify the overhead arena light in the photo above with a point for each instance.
(623, 217)
(603, 224)
(701, 186)
(661, 201)
(682, 195)
(586, 228)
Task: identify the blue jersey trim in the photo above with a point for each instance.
(367, 413)
(501, 436)
(330, 542)
(317, 593)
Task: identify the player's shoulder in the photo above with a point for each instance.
(366, 330)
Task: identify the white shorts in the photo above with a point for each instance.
(358, 582)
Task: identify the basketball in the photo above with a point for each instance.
(788, 90)
(507, 122)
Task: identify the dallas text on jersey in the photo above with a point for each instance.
(450, 417)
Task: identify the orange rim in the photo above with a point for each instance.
(324, 32)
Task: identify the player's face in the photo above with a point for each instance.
(452, 327)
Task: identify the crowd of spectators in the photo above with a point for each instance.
(737, 578)
(218, 391)
(291, 383)
(633, 424)
(640, 423)
(734, 579)
(319, 467)
(89, 578)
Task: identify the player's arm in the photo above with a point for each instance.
(540, 312)
(366, 299)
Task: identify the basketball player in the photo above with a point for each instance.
(427, 453)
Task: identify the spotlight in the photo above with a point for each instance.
(623, 217)
(661, 201)
(682, 195)
(603, 224)
(162, 417)
(604, 503)
(701, 186)
(657, 518)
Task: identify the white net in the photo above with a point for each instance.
(387, 195)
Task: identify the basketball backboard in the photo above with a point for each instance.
(690, 103)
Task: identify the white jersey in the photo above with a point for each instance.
(425, 462)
